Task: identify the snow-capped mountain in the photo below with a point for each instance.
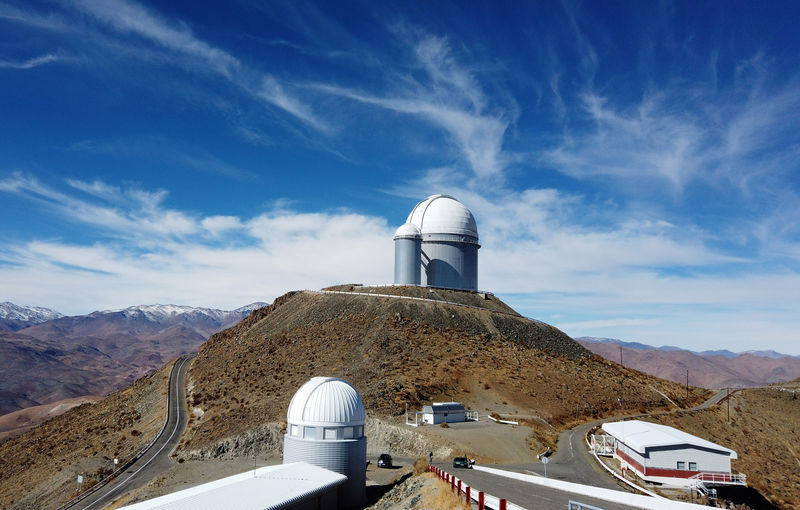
(32, 314)
(161, 313)
(14, 317)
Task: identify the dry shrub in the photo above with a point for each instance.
(441, 497)
(420, 466)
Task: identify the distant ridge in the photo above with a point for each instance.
(718, 352)
(50, 357)
(709, 369)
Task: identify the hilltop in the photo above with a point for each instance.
(403, 353)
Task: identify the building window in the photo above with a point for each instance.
(693, 466)
(309, 432)
(348, 432)
(330, 434)
(681, 465)
(295, 430)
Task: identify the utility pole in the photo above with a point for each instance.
(729, 405)
(687, 386)
(620, 356)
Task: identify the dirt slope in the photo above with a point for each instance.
(402, 353)
(39, 469)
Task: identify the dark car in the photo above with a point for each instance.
(461, 462)
(385, 461)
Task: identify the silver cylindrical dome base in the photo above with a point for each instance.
(347, 457)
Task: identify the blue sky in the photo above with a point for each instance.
(633, 166)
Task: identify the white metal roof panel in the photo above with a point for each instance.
(443, 214)
(641, 435)
(448, 406)
(269, 488)
(326, 401)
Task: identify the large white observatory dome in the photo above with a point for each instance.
(437, 246)
(326, 401)
(443, 214)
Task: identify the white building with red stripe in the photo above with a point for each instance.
(666, 455)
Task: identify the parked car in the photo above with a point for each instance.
(385, 461)
(462, 462)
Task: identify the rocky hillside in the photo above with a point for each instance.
(402, 352)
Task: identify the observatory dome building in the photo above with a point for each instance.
(325, 427)
(437, 246)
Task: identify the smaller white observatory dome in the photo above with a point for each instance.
(326, 401)
(407, 230)
(325, 427)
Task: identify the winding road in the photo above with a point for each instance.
(572, 462)
(155, 460)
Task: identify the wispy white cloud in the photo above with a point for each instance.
(685, 134)
(30, 63)
(450, 98)
(131, 18)
(125, 213)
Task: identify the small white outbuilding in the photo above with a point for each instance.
(661, 454)
(443, 412)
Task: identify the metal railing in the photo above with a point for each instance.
(728, 478)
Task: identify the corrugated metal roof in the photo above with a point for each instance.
(441, 407)
(326, 401)
(641, 435)
(270, 488)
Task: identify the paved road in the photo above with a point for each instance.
(571, 462)
(156, 459)
(524, 494)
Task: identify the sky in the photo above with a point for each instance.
(633, 167)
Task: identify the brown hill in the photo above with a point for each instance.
(402, 352)
(38, 469)
(13, 424)
(39, 371)
(707, 371)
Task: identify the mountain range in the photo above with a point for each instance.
(708, 369)
(14, 317)
(48, 357)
